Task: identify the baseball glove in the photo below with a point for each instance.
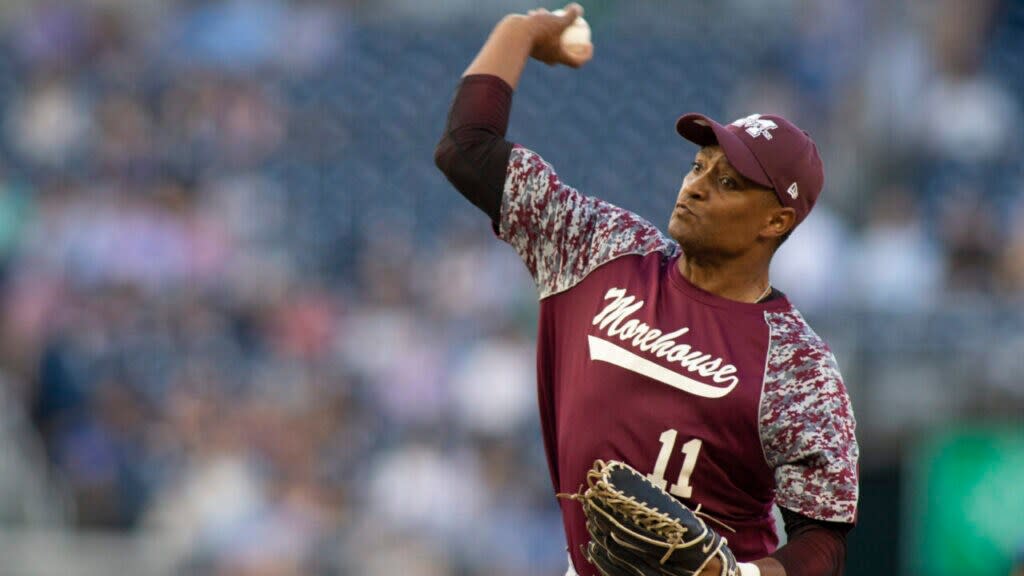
(638, 529)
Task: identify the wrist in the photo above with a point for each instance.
(517, 24)
(748, 569)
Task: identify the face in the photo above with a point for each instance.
(720, 213)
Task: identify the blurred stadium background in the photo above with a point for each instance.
(248, 329)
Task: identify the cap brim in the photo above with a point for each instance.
(704, 131)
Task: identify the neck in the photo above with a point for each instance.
(743, 279)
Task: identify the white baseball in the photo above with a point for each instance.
(577, 34)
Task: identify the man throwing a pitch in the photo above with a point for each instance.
(673, 354)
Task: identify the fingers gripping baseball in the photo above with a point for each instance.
(555, 38)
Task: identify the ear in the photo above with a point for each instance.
(781, 220)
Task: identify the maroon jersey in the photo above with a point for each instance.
(729, 405)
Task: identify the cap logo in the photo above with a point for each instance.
(793, 191)
(755, 126)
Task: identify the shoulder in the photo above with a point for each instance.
(795, 349)
(804, 402)
(563, 235)
(524, 164)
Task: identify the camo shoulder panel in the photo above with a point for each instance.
(562, 235)
(807, 424)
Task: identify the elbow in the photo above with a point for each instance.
(474, 162)
(461, 148)
(443, 154)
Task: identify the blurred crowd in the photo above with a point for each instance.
(924, 154)
(190, 366)
(243, 312)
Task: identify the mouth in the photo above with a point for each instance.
(683, 209)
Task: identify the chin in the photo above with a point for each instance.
(689, 241)
(679, 232)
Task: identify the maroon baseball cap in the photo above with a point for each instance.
(768, 150)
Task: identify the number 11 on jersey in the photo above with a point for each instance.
(690, 452)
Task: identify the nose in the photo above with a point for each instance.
(697, 187)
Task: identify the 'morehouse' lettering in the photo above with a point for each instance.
(615, 321)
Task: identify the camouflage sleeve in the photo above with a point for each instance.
(807, 424)
(562, 235)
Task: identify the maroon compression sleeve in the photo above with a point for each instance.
(815, 548)
(473, 152)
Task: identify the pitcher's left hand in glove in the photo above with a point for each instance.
(638, 529)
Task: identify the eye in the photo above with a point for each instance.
(727, 183)
(696, 167)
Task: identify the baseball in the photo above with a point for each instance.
(576, 35)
